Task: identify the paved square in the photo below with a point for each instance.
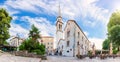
(12, 58)
(73, 59)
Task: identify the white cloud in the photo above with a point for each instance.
(44, 25)
(22, 5)
(10, 11)
(89, 23)
(71, 10)
(17, 29)
(97, 41)
(86, 33)
(14, 17)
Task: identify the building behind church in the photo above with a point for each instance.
(73, 42)
(48, 41)
(16, 41)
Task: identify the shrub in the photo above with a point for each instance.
(33, 46)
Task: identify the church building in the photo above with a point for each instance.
(74, 42)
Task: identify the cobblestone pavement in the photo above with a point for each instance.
(11, 58)
(72, 59)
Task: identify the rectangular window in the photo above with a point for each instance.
(82, 38)
(59, 26)
(78, 43)
(82, 46)
(68, 43)
(78, 34)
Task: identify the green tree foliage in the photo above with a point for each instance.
(114, 28)
(5, 20)
(106, 44)
(31, 44)
(5, 43)
(114, 34)
(34, 33)
(114, 20)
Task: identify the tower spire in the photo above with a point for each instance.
(59, 10)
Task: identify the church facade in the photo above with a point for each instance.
(74, 42)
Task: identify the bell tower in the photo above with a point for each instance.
(59, 21)
(59, 25)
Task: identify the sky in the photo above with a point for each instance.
(91, 15)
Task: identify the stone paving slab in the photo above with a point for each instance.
(73, 59)
(12, 58)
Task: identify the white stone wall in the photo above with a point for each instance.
(72, 49)
(61, 46)
(83, 44)
(59, 35)
(15, 42)
(73, 38)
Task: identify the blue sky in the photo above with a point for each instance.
(91, 15)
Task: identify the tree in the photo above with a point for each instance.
(34, 33)
(114, 30)
(114, 20)
(31, 44)
(114, 34)
(5, 20)
(106, 44)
